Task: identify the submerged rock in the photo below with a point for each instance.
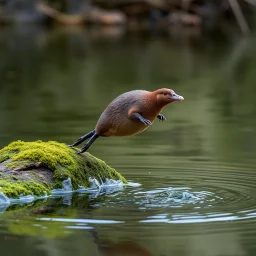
(35, 168)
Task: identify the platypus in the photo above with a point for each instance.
(129, 114)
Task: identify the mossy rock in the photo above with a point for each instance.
(38, 167)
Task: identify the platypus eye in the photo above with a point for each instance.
(165, 93)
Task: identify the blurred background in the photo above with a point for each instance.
(134, 15)
(63, 61)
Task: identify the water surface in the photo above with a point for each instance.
(54, 83)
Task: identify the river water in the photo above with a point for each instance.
(54, 84)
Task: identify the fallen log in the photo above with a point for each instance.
(92, 15)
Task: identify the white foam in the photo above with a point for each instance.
(23, 199)
(79, 221)
(4, 200)
(133, 184)
(96, 187)
(67, 184)
(67, 188)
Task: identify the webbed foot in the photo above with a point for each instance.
(161, 117)
(146, 121)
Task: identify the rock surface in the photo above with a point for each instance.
(35, 168)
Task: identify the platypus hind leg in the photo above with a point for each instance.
(83, 138)
(88, 144)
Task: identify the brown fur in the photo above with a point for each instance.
(118, 118)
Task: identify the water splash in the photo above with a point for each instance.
(67, 188)
(97, 188)
(4, 200)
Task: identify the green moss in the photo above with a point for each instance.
(50, 153)
(13, 190)
(13, 187)
(59, 158)
(3, 157)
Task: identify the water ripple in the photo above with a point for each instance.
(215, 194)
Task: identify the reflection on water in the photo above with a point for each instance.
(196, 169)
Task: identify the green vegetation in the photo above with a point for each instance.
(13, 188)
(25, 163)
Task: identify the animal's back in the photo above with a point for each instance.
(114, 120)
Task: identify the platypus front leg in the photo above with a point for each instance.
(83, 138)
(88, 144)
(138, 116)
(161, 117)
